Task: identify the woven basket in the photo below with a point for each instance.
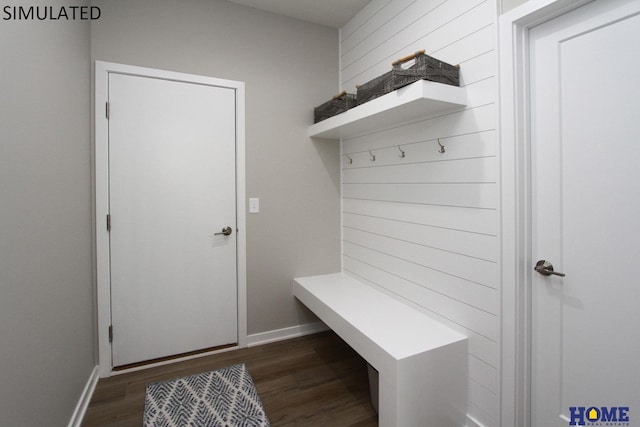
(338, 104)
(372, 89)
(424, 68)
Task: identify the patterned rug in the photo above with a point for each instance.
(222, 398)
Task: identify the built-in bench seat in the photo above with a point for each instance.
(422, 363)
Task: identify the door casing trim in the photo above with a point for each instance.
(515, 227)
(101, 192)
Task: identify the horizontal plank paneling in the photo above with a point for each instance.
(483, 373)
(479, 170)
(455, 218)
(407, 17)
(470, 293)
(480, 346)
(482, 196)
(473, 319)
(373, 11)
(477, 17)
(478, 68)
(423, 226)
(462, 52)
(461, 242)
(466, 146)
(470, 46)
(482, 92)
(468, 268)
(439, 27)
(469, 121)
(485, 399)
(368, 25)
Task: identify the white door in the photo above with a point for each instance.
(171, 189)
(585, 138)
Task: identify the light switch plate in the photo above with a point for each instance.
(254, 205)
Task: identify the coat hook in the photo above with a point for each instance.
(349, 159)
(402, 155)
(373, 157)
(441, 150)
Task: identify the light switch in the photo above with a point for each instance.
(254, 205)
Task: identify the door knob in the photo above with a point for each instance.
(225, 231)
(546, 269)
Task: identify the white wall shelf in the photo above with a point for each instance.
(420, 99)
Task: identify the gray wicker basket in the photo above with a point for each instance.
(338, 104)
(424, 68)
(372, 89)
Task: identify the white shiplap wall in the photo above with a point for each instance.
(424, 227)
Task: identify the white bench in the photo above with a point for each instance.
(422, 364)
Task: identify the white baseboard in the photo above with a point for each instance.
(285, 333)
(85, 398)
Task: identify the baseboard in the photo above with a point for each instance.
(285, 333)
(85, 398)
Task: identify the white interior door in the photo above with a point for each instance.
(172, 186)
(585, 138)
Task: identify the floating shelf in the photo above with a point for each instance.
(420, 99)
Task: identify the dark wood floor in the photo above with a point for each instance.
(317, 380)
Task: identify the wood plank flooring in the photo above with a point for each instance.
(317, 380)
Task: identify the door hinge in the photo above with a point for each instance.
(110, 333)
(108, 222)
(107, 109)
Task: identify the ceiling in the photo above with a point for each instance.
(331, 13)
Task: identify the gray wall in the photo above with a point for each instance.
(288, 66)
(46, 291)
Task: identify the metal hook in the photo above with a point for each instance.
(441, 150)
(349, 159)
(373, 157)
(402, 155)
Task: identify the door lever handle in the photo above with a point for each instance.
(225, 231)
(546, 269)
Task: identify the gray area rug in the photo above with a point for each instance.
(222, 398)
